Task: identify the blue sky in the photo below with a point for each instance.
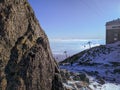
(83, 19)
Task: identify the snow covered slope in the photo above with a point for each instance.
(101, 63)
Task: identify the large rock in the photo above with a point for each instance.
(26, 62)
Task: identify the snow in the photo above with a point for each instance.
(68, 86)
(110, 86)
(100, 66)
(107, 86)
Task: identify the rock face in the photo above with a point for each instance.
(26, 62)
(74, 81)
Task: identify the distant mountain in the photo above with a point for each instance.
(102, 63)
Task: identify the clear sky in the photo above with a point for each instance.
(83, 19)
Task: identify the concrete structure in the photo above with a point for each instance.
(113, 31)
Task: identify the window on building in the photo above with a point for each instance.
(115, 27)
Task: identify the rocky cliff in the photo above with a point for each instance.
(26, 62)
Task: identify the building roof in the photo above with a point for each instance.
(114, 22)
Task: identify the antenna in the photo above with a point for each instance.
(89, 44)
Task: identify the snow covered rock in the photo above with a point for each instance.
(102, 63)
(74, 81)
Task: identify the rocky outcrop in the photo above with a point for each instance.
(74, 81)
(26, 62)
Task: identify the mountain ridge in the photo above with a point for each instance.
(101, 63)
